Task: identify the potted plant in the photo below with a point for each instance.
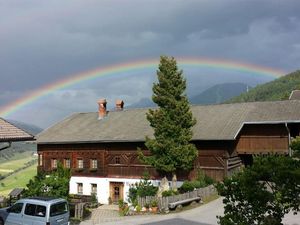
(154, 206)
(121, 204)
(110, 201)
(147, 206)
(138, 208)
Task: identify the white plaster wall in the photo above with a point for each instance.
(103, 186)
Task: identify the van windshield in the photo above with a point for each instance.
(59, 209)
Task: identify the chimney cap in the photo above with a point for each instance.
(119, 105)
(119, 102)
(102, 101)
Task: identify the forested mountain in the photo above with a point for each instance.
(219, 93)
(213, 95)
(30, 128)
(279, 89)
(143, 103)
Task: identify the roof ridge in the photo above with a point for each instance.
(192, 105)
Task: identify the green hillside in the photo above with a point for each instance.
(17, 180)
(279, 89)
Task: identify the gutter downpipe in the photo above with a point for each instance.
(5, 147)
(289, 139)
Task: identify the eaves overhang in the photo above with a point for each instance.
(264, 122)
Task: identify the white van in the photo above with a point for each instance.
(36, 211)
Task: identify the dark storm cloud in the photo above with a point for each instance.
(44, 41)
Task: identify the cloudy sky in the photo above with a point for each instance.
(42, 42)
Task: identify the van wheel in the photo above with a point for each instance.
(1, 221)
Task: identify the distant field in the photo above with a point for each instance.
(17, 156)
(18, 161)
(19, 179)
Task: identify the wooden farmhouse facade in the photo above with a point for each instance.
(101, 147)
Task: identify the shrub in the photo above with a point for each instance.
(203, 179)
(186, 187)
(142, 189)
(94, 201)
(208, 180)
(124, 210)
(169, 193)
(121, 203)
(295, 145)
(86, 212)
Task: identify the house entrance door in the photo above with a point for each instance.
(116, 191)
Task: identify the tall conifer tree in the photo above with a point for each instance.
(172, 121)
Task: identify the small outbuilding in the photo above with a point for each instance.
(15, 195)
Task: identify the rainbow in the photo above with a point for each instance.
(130, 67)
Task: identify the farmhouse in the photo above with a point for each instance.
(100, 147)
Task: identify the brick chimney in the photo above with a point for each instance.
(119, 105)
(102, 108)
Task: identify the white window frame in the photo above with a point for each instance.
(94, 188)
(80, 188)
(67, 163)
(80, 163)
(40, 159)
(94, 163)
(54, 163)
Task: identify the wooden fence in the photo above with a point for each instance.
(163, 202)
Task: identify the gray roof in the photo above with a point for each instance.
(9, 132)
(214, 122)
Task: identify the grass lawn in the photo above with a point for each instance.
(16, 180)
(16, 162)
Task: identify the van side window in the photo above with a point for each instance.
(16, 208)
(40, 211)
(58, 209)
(35, 210)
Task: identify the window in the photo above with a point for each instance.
(58, 209)
(53, 163)
(67, 163)
(79, 188)
(117, 160)
(94, 164)
(40, 159)
(80, 163)
(93, 188)
(35, 210)
(16, 208)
